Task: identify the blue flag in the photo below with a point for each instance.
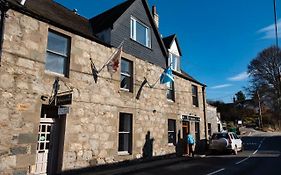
(167, 76)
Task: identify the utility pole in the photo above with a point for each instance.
(260, 112)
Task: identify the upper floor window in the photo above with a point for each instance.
(140, 32)
(195, 95)
(171, 91)
(58, 49)
(126, 75)
(174, 62)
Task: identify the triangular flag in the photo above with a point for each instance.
(167, 76)
(113, 65)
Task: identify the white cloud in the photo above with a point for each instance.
(221, 86)
(269, 31)
(239, 77)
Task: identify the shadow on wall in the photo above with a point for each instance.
(201, 147)
(179, 145)
(147, 150)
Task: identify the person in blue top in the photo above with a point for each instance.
(190, 142)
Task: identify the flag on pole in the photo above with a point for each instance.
(167, 76)
(94, 71)
(113, 64)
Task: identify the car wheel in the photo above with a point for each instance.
(235, 150)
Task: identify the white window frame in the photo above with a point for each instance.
(176, 58)
(133, 30)
(65, 56)
(131, 86)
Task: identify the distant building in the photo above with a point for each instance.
(213, 120)
(54, 117)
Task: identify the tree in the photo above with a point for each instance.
(240, 96)
(265, 76)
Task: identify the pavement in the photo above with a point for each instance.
(258, 145)
(141, 166)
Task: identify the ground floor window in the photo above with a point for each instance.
(209, 129)
(125, 133)
(197, 132)
(171, 131)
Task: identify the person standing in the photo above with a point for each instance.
(190, 142)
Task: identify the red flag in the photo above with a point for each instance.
(113, 65)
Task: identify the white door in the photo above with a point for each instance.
(43, 145)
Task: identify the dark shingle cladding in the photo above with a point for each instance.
(106, 19)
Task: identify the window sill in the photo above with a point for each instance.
(170, 101)
(171, 144)
(123, 153)
(55, 74)
(125, 90)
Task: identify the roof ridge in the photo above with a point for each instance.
(69, 10)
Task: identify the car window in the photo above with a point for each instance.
(235, 136)
(219, 136)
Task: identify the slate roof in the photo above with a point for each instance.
(55, 14)
(106, 19)
(186, 76)
(169, 40)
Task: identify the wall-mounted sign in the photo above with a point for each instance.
(65, 99)
(187, 118)
(63, 110)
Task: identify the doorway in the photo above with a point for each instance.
(185, 130)
(50, 141)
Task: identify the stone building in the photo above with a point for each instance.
(213, 120)
(55, 117)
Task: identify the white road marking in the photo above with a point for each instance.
(261, 142)
(242, 160)
(215, 172)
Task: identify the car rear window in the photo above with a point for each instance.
(220, 135)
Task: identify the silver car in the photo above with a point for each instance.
(225, 141)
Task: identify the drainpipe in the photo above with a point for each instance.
(205, 117)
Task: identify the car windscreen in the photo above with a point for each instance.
(220, 135)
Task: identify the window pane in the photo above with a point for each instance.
(55, 63)
(57, 43)
(171, 125)
(171, 137)
(124, 142)
(125, 82)
(140, 33)
(125, 123)
(125, 66)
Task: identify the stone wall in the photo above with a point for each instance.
(91, 128)
(212, 117)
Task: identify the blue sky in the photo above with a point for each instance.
(218, 38)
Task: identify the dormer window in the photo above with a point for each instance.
(140, 32)
(174, 62)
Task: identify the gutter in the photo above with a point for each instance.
(205, 116)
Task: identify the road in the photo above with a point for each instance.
(261, 156)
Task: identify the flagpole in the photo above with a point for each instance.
(276, 27)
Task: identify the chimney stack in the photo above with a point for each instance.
(22, 2)
(155, 16)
